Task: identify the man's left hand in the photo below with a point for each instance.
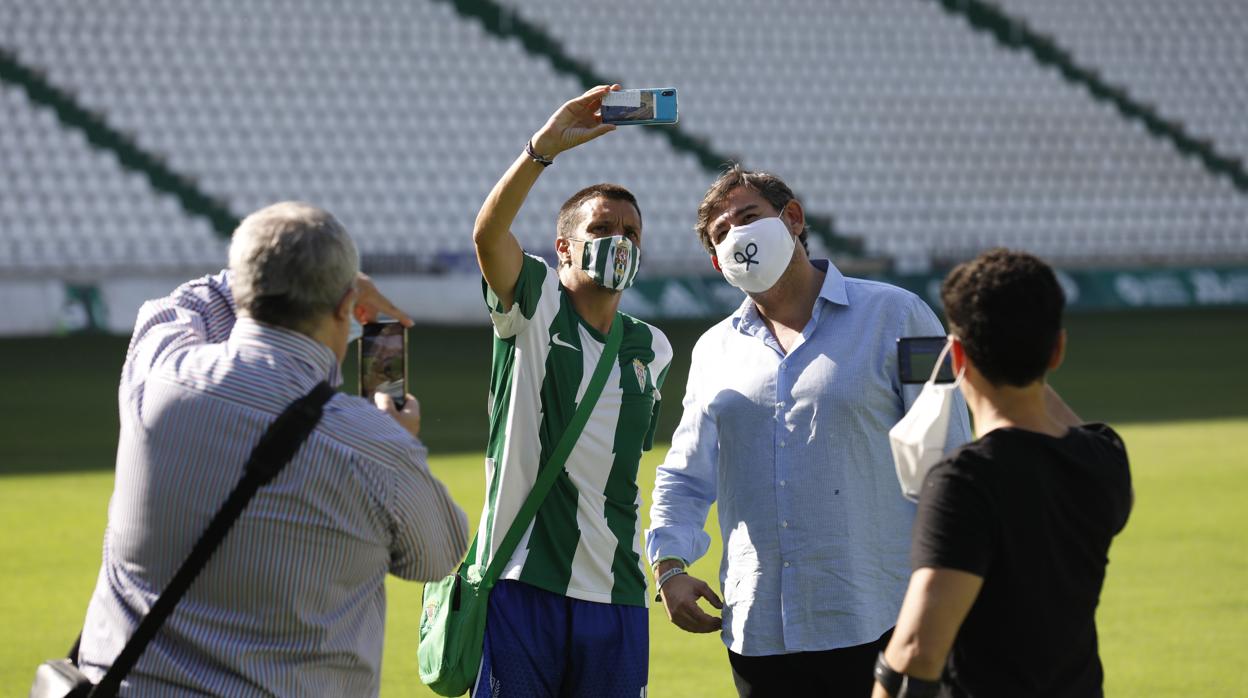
(370, 304)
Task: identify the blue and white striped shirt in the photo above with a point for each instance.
(795, 449)
(293, 601)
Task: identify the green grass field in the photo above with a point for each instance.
(1174, 612)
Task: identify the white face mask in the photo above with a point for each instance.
(753, 257)
(918, 440)
(610, 261)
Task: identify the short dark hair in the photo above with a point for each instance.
(1006, 307)
(567, 221)
(768, 185)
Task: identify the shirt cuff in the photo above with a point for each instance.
(677, 558)
(685, 543)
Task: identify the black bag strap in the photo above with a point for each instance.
(277, 446)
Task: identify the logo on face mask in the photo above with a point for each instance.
(753, 257)
(748, 258)
(621, 259)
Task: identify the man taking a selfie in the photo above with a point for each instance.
(786, 419)
(293, 602)
(1012, 535)
(568, 616)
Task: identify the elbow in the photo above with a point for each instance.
(479, 234)
(452, 553)
(484, 231)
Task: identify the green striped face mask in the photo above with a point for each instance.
(610, 261)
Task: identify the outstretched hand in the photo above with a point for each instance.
(370, 303)
(680, 599)
(578, 121)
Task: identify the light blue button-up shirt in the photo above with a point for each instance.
(795, 448)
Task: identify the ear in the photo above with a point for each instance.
(715, 263)
(562, 250)
(1059, 351)
(959, 356)
(346, 306)
(793, 216)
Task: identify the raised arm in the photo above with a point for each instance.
(498, 252)
(197, 312)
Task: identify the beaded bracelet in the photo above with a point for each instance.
(539, 159)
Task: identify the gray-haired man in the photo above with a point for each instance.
(293, 602)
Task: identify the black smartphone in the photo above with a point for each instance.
(383, 361)
(916, 357)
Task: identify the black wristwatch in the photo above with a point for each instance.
(901, 685)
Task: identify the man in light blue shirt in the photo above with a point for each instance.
(786, 419)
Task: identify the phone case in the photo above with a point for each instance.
(651, 105)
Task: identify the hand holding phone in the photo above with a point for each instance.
(408, 417)
(383, 361)
(916, 357)
(651, 105)
(576, 121)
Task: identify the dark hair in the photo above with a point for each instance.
(1006, 307)
(567, 221)
(769, 186)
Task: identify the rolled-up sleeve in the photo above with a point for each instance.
(685, 484)
(430, 532)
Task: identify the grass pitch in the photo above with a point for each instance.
(1173, 612)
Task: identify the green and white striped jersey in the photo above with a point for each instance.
(584, 542)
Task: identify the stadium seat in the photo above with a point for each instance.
(917, 133)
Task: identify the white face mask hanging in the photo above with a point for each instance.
(918, 440)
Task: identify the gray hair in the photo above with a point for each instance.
(290, 263)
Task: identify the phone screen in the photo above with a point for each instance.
(916, 357)
(383, 361)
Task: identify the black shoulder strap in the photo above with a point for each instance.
(277, 446)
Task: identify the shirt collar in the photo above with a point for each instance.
(833, 289)
(319, 359)
(745, 318)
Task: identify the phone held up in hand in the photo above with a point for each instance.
(383, 361)
(650, 105)
(916, 357)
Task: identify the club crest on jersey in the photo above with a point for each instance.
(640, 369)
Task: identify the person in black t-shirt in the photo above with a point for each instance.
(1012, 534)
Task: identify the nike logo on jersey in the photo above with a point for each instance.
(554, 339)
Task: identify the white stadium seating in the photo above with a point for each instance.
(920, 135)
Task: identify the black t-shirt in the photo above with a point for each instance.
(1033, 515)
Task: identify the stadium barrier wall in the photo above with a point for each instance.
(49, 307)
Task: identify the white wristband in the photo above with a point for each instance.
(658, 586)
